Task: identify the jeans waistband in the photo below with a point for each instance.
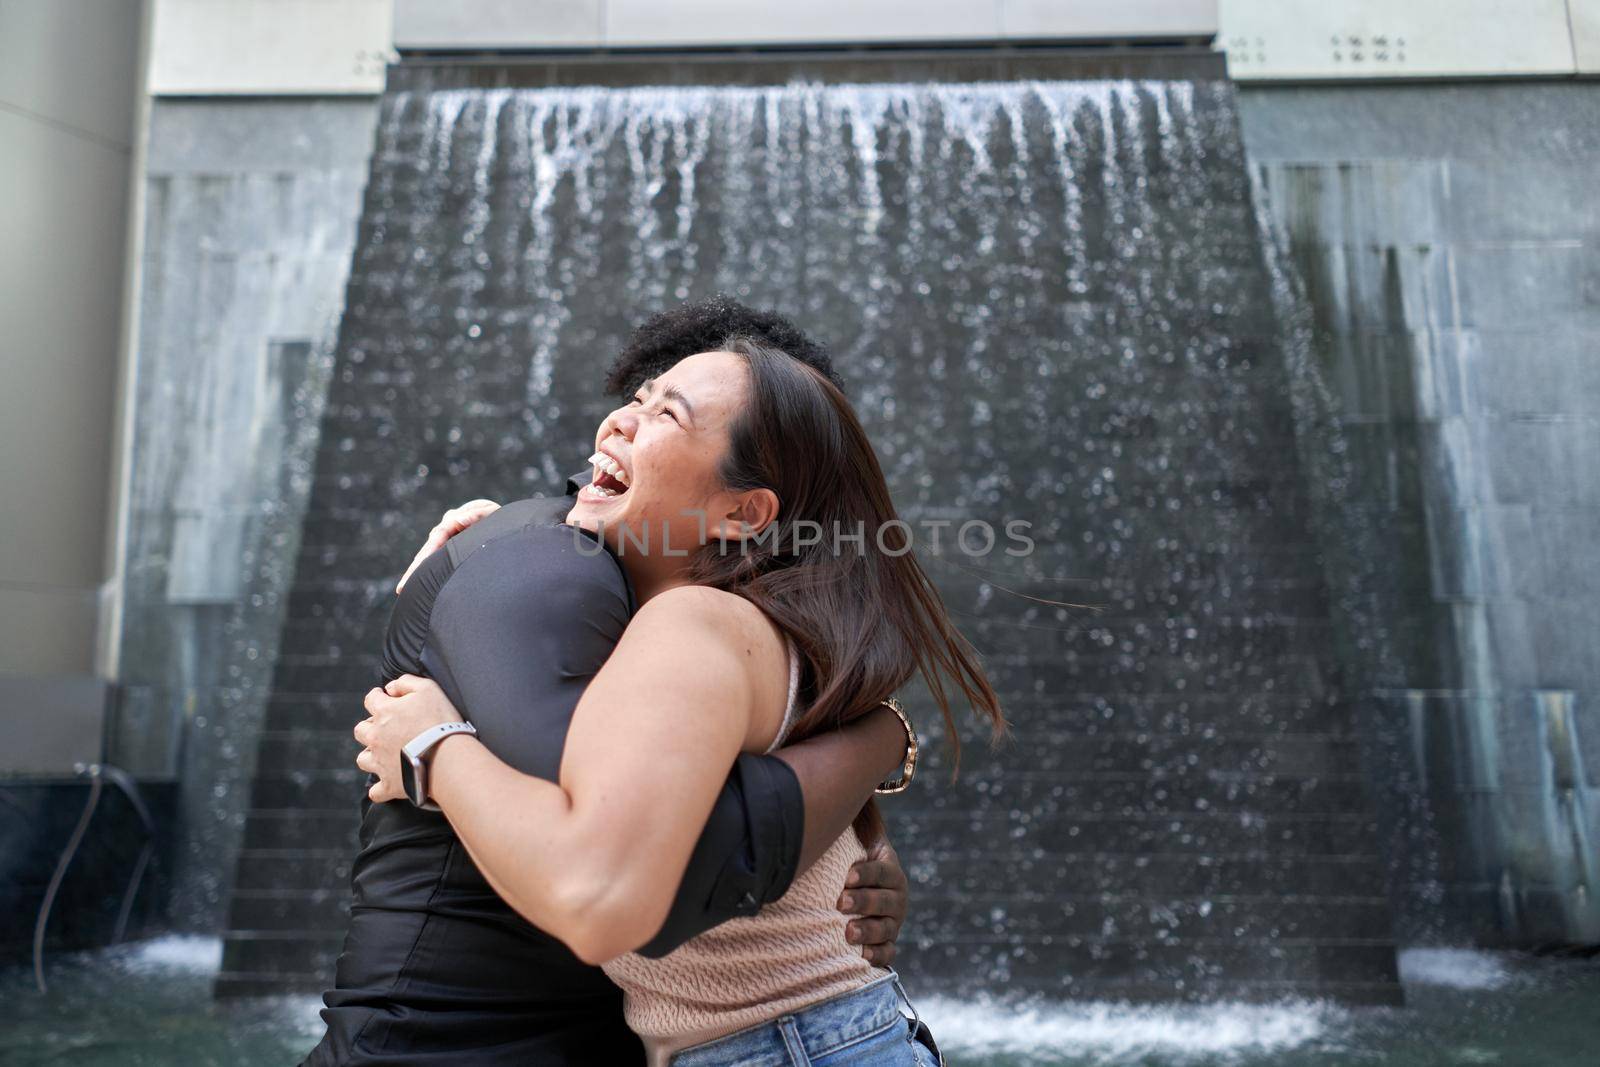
(821, 1028)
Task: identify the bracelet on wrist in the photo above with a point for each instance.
(908, 770)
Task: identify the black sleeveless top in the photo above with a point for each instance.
(512, 620)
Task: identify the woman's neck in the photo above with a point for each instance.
(652, 575)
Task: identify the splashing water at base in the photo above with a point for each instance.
(1456, 968)
(150, 1005)
(179, 954)
(1107, 1033)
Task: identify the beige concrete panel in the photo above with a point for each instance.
(46, 631)
(1584, 18)
(225, 47)
(71, 62)
(1332, 39)
(62, 206)
(427, 24)
(1108, 18)
(692, 22)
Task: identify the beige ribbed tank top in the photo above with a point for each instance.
(750, 970)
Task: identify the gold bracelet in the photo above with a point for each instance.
(909, 770)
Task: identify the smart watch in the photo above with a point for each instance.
(414, 772)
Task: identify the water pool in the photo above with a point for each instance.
(149, 1005)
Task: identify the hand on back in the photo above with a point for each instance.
(451, 523)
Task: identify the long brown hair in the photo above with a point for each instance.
(863, 614)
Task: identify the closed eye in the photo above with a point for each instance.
(673, 415)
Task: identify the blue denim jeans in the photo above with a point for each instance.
(860, 1029)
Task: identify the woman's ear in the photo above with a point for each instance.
(750, 512)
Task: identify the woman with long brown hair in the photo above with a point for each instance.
(779, 596)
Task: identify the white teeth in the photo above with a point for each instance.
(604, 463)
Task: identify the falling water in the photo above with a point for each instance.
(1363, 579)
(1052, 308)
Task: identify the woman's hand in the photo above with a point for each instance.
(451, 523)
(399, 712)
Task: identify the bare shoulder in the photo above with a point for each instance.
(706, 610)
(733, 647)
(714, 617)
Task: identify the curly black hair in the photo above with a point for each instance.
(707, 326)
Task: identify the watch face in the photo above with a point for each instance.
(408, 778)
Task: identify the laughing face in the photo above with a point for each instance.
(657, 463)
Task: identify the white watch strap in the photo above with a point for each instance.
(418, 747)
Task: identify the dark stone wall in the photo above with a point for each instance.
(37, 820)
(1449, 244)
(1052, 306)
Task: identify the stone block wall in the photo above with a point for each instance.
(251, 210)
(1449, 241)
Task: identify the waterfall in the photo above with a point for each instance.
(1051, 306)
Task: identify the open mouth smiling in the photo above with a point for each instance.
(611, 479)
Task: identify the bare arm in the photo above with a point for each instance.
(837, 772)
(595, 860)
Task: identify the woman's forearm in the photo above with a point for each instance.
(838, 772)
(532, 845)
